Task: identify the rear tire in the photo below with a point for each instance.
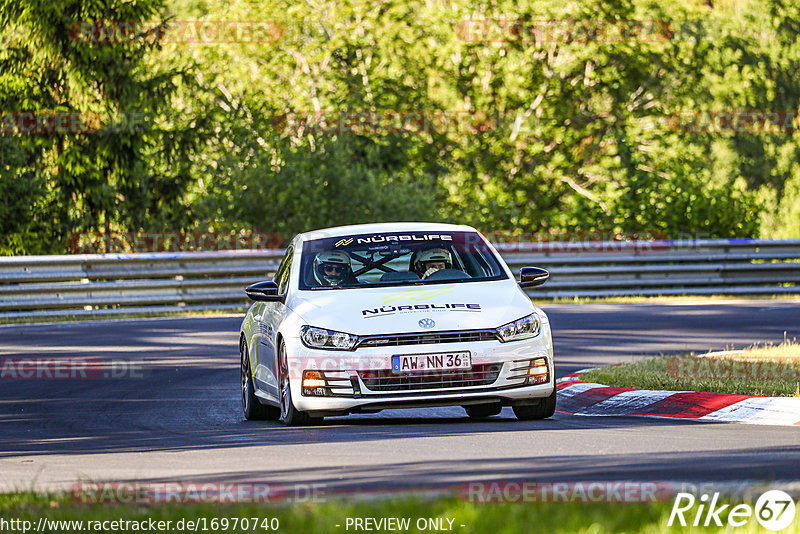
(544, 409)
(481, 411)
(290, 415)
(251, 405)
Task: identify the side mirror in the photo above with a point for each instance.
(264, 292)
(532, 276)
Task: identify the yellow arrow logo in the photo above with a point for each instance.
(417, 294)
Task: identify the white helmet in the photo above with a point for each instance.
(332, 267)
(437, 255)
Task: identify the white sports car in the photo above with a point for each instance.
(363, 318)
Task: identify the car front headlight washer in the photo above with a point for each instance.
(527, 327)
(320, 338)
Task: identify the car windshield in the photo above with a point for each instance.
(399, 258)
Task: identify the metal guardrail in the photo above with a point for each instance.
(113, 284)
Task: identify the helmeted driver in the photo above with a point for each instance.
(429, 261)
(333, 267)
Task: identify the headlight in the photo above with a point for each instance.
(524, 328)
(319, 338)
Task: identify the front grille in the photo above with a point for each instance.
(386, 380)
(395, 340)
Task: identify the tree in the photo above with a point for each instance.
(127, 166)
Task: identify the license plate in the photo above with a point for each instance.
(410, 363)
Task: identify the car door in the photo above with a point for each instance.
(268, 321)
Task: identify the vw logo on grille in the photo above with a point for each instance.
(427, 323)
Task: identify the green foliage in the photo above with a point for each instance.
(113, 174)
(571, 132)
(782, 221)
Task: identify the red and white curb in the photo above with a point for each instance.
(577, 397)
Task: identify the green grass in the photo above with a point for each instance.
(306, 518)
(771, 371)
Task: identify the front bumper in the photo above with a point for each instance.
(349, 392)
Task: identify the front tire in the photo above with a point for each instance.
(290, 415)
(544, 409)
(251, 406)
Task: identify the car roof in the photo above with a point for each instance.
(377, 228)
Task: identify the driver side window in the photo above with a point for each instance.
(282, 274)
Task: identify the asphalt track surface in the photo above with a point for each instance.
(182, 421)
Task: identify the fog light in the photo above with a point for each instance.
(313, 379)
(538, 372)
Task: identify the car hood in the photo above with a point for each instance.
(431, 308)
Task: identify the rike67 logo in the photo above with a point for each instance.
(774, 510)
